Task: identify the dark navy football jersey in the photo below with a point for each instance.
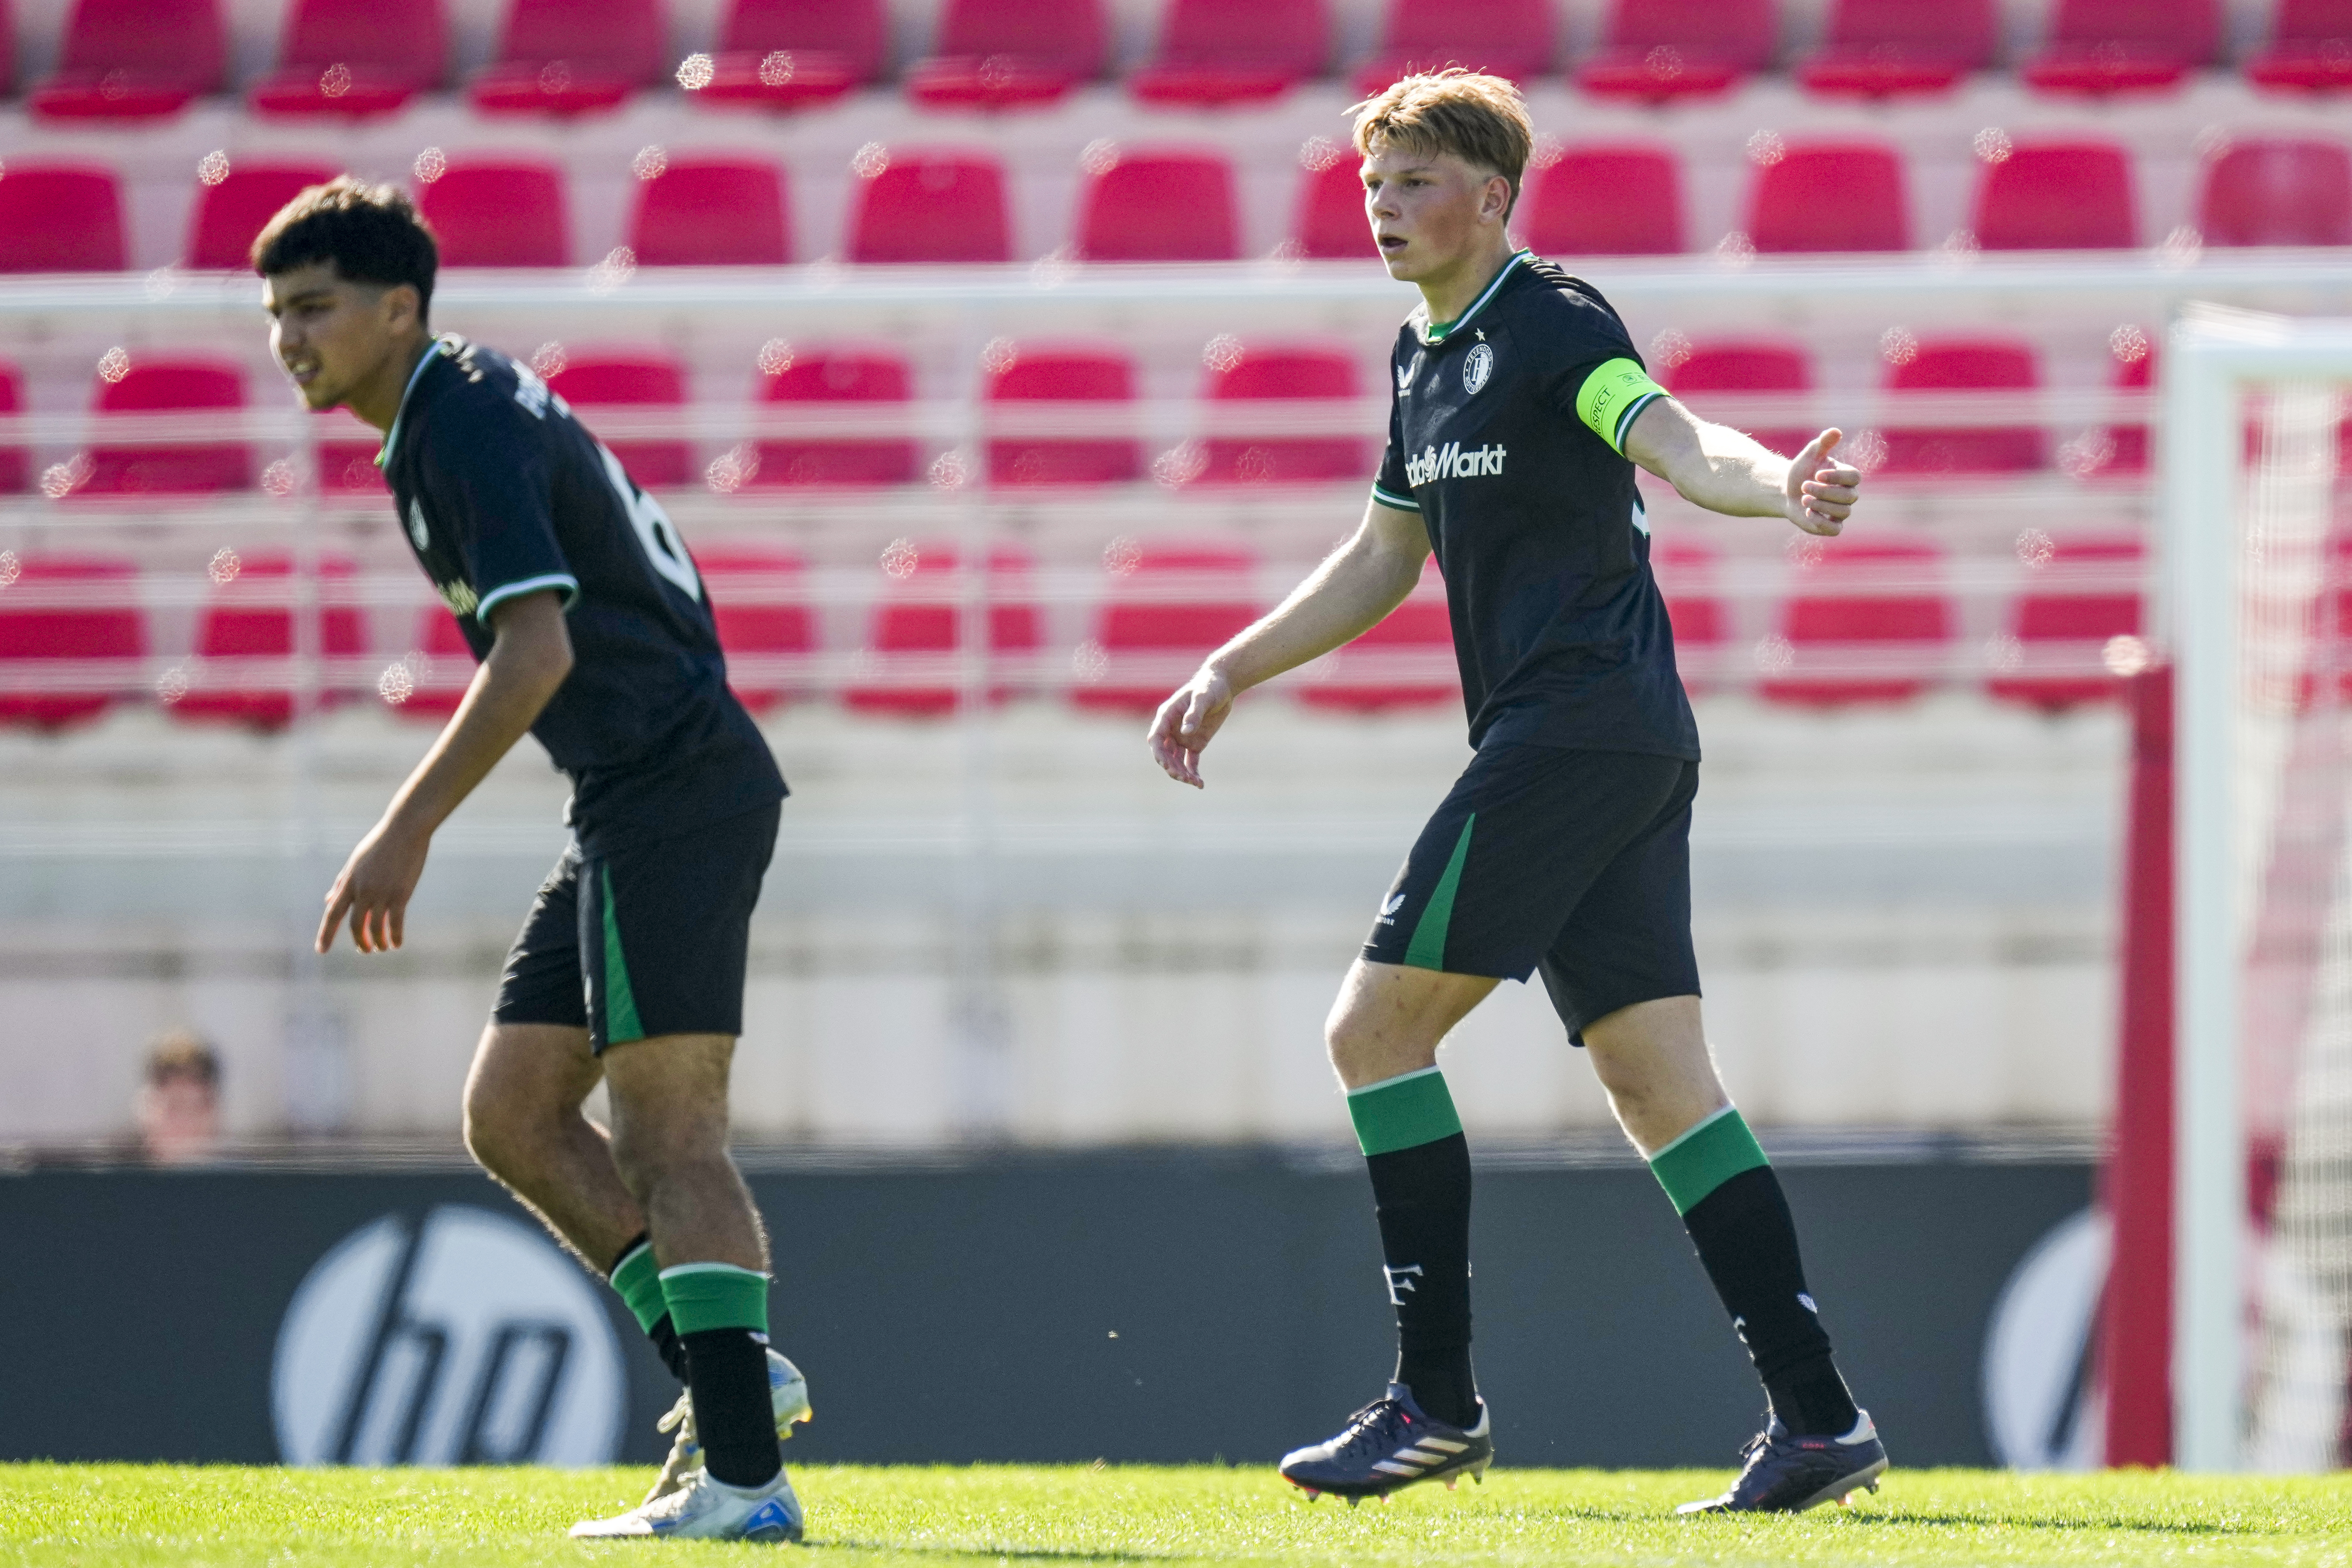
(503, 492)
(1506, 434)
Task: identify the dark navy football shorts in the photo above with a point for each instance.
(1575, 864)
(644, 940)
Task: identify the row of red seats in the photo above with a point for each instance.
(1028, 391)
(131, 59)
(951, 205)
(1854, 603)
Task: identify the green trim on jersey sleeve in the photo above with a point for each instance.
(1391, 499)
(1610, 398)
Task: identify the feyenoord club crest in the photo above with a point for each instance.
(1478, 367)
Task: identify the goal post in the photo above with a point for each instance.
(2256, 615)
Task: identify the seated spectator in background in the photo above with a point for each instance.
(179, 1103)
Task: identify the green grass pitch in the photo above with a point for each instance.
(132, 1515)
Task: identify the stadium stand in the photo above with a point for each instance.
(1216, 53)
(494, 212)
(2310, 48)
(1879, 48)
(119, 467)
(346, 453)
(68, 618)
(1663, 50)
(135, 60)
(785, 55)
(836, 376)
(709, 212)
(1167, 605)
(2109, 45)
(2064, 621)
(433, 677)
(757, 597)
(1515, 38)
(234, 200)
(1607, 200)
(1171, 205)
(1011, 54)
(1406, 661)
(2135, 372)
(60, 217)
(1301, 376)
(1829, 196)
(1747, 368)
(14, 468)
(945, 205)
(249, 617)
(917, 626)
(355, 59)
(1687, 570)
(1963, 365)
(2275, 191)
(632, 381)
(1331, 223)
(572, 57)
(1087, 378)
(1856, 604)
(2056, 196)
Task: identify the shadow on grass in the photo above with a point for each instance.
(1016, 1554)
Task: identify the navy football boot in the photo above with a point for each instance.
(1388, 1444)
(1789, 1474)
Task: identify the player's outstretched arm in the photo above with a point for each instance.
(528, 662)
(1351, 593)
(1724, 470)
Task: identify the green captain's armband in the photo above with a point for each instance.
(1610, 398)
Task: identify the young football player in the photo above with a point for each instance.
(594, 635)
(1520, 408)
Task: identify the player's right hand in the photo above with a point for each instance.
(1187, 721)
(1821, 491)
(375, 887)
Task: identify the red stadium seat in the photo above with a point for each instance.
(14, 468)
(784, 55)
(1685, 571)
(59, 218)
(71, 638)
(1406, 661)
(1877, 49)
(1607, 200)
(493, 213)
(234, 200)
(2310, 49)
(2108, 46)
(1332, 224)
(765, 626)
(2278, 191)
(712, 211)
(837, 375)
(1866, 623)
(931, 206)
(168, 386)
(1661, 49)
(346, 454)
(1512, 38)
(355, 58)
(1167, 606)
(1159, 206)
(1747, 368)
(572, 57)
(250, 616)
(2135, 360)
(135, 60)
(2067, 625)
(2059, 195)
(632, 381)
(1963, 365)
(1007, 54)
(1303, 377)
(916, 630)
(1090, 379)
(1218, 52)
(1830, 197)
(439, 666)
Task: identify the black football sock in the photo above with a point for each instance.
(637, 1278)
(1420, 1165)
(720, 1312)
(1738, 1219)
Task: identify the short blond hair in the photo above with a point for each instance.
(1479, 118)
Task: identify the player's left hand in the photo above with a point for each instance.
(1822, 493)
(375, 887)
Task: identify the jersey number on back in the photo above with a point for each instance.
(656, 532)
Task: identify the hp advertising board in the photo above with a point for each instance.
(465, 1337)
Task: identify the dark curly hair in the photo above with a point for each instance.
(373, 233)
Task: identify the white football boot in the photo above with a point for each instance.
(787, 1392)
(707, 1509)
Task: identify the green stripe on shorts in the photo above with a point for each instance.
(621, 1023)
(1427, 950)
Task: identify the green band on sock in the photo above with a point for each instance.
(1706, 1157)
(638, 1279)
(715, 1296)
(1402, 1112)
